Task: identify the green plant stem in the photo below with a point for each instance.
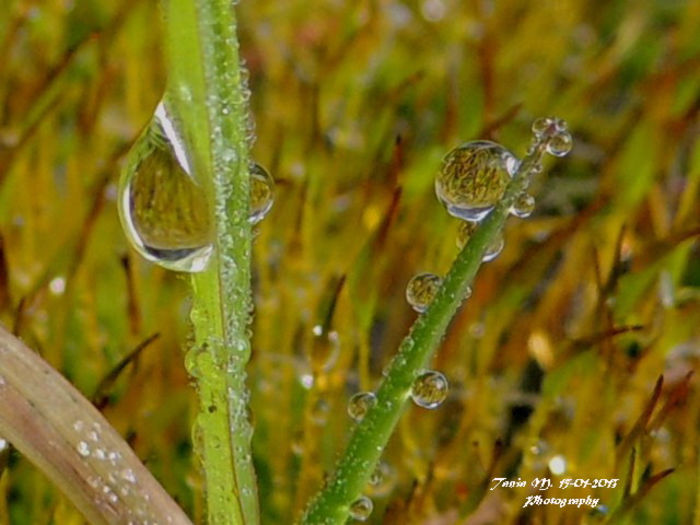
(205, 94)
(371, 435)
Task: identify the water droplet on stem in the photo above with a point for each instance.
(429, 389)
(360, 403)
(473, 178)
(361, 508)
(421, 290)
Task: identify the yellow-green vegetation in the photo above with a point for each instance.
(554, 360)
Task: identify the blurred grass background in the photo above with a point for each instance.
(557, 352)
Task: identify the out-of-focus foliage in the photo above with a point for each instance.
(555, 354)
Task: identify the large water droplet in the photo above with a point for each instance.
(523, 206)
(421, 290)
(262, 192)
(361, 508)
(360, 403)
(429, 389)
(162, 207)
(473, 178)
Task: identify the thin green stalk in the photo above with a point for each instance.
(370, 436)
(206, 95)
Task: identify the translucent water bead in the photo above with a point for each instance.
(382, 480)
(465, 231)
(473, 178)
(523, 206)
(163, 208)
(421, 290)
(360, 403)
(361, 508)
(262, 188)
(559, 141)
(429, 389)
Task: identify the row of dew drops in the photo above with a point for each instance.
(166, 218)
(471, 181)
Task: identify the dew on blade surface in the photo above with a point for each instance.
(262, 192)
(473, 178)
(421, 290)
(523, 206)
(360, 403)
(429, 389)
(163, 209)
(494, 249)
(361, 508)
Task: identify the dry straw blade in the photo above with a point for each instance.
(65, 436)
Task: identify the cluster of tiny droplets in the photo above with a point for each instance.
(162, 206)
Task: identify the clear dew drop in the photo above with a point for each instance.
(361, 508)
(473, 178)
(494, 249)
(162, 207)
(560, 143)
(382, 480)
(541, 125)
(465, 230)
(429, 389)
(262, 192)
(421, 290)
(83, 449)
(523, 206)
(360, 403)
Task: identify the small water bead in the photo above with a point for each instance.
(262, 192)
(494, 249)
(83, 449)
(541, 125)
(429, 389)
(421, 290)
(473, 178)
(361, 508)
(523, 206)
(560, 143)
(465, 230)
(360, 403)
(382, 479)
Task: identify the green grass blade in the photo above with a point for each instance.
(206, 96)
